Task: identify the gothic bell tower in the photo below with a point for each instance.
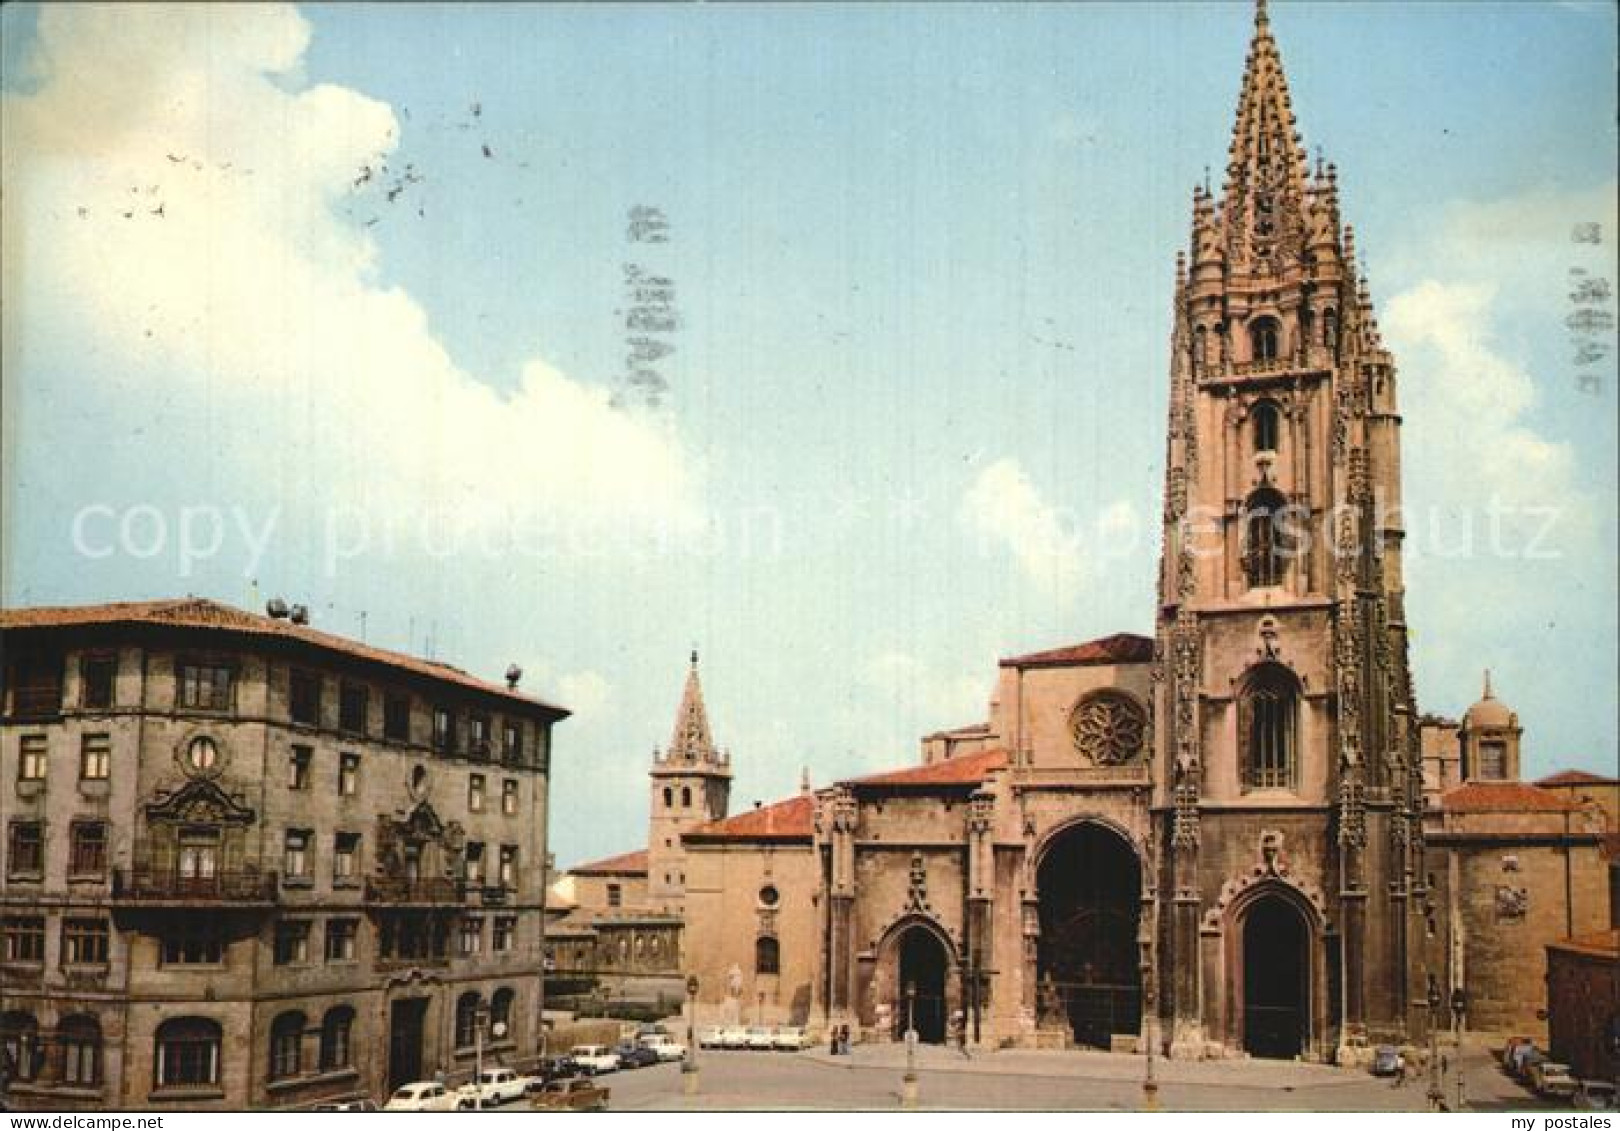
(691, 785)
(1287, 777)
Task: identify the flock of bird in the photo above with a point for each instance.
(375, 177)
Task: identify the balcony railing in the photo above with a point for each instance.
(36, 701)
(432, 891)
(160, 886)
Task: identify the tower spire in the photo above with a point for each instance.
(691, 741)
(1266, 168)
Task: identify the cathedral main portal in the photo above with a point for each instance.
(1090, 886)
(1276, 983)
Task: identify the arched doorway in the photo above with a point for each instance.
(923, 966)
(1276, 979)
(1090, 885)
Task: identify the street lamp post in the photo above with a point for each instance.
(1459, 1010)
(1150, 1086)
(908, 1083)
(480, 1019)
(1437, 1097)
(689, 1066)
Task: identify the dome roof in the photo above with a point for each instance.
(1489, 711)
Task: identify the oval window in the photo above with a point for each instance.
(203, 753)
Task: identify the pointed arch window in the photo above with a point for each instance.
(669, 797)
(686, 797)
(1267, 541)
(1264, 339)
(1268, 721)
(1330, 331)
(1267, 425)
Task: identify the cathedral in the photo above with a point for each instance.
(1212, 841)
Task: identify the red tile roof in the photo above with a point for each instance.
(1600, 944)
(1577, 777)
(968, 769)
(1503, 797)
(1120, 648)
(201, 613)
(627, 864)
(784, 820)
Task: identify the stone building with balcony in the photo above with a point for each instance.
(249, 864)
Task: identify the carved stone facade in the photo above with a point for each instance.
(1213, 840)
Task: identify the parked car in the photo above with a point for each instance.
(493, 1087)
(347, 1105)
(791, 1038)
(554, 1068)
(632, 1055)
(651, 1029)
(1386, 1061)
(733, 1037)
(424, 1095)
(1596, 1095)
(576, 1094)
(711, 1037)
(593, 1060)
(1549, 1078)
(759, 1037)
(666, 1048)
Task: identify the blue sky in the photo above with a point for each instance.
(921, 259)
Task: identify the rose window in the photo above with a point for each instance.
(1108, 728)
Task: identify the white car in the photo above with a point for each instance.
(666, 1047)
(494, 1086)
(424, 1095)
(759, 1037)
(733, 1037)
(594, 1060)
(712, 1038)
(791, 1038)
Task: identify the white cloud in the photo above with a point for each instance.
(913, 697)
(1001, 506)
(1510, 534)
(585, 693)
(1481, 342)
(174, 200)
